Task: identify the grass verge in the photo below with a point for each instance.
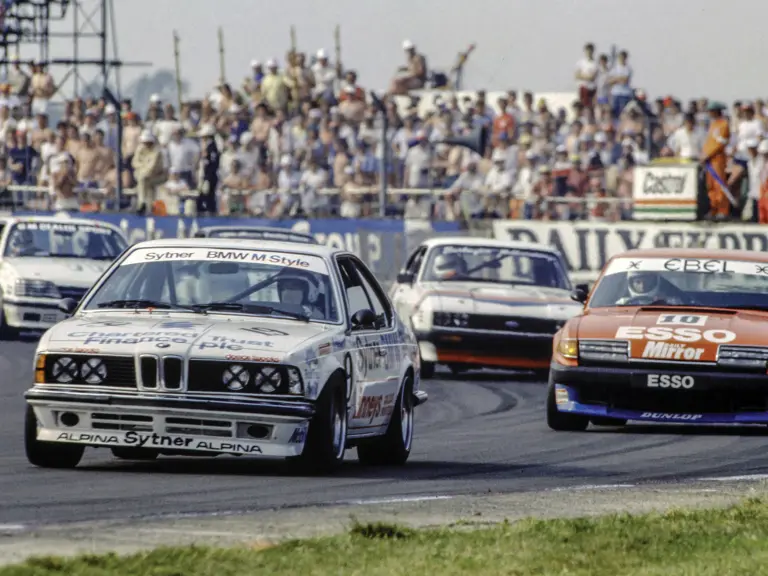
(692, 542)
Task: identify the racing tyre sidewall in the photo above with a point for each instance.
(394, 447)
(48, 454)
(327, 436)
(6, 332)
(427, 370)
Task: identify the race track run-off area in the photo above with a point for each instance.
(480, 434)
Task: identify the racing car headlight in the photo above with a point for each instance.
(235, 377)
(569, 348)
(295, 384)
(65, 370)
(604, 350)
(93, 371)
(451, 319)
(36, 288)
(268, 380)
(743, 357)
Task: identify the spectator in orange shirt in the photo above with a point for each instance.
(504, 123)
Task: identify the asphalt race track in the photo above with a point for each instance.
(477, 434)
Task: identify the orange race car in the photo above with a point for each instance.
(668, 335)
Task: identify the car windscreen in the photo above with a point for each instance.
(719, 283)
(253, 282)
(63, 240)
(494, 264)
(271, 235)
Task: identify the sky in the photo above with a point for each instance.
(688, 48)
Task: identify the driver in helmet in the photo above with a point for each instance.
(299, 290)
(23, 243)
(646, 288)
(449, 266)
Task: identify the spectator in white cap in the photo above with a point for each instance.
(148, 170)
(274, 88)
(108, 125)
(755, 166)
(325, 77)
(208, 171)
(498, 182)
(414, 75)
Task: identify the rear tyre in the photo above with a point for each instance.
(562, 421)
(427, 370)
(48, 454)
(394, 448)
(122, 453)
(327, 435)
(604, 421)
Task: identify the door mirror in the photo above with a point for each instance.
(364, 319)
(68, 305)
(405, 278)
(579, 295)
(584, 287)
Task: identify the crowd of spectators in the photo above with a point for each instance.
(276, 144)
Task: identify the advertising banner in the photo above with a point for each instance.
(665, 191)
(587, 246)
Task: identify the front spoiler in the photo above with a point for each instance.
(569, 380)
(171, 425)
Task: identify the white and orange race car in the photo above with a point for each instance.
(667, 335)
(481, 303)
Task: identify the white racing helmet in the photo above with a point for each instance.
(449, 265)
(305, 282)
(642, 283)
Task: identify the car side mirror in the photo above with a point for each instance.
(364, 319)
(579, 295)
(405, 278)
(584, 287)
(68, 305)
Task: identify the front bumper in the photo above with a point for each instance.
(485, 348)
(171, 424)
(715, 396)
(32, 313)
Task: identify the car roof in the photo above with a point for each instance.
(490, 242)
(244, 244)
(8, 220)
(265, 229)
(696, 253)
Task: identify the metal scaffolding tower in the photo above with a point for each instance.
(77, 39)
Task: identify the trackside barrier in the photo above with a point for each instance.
(587, 246)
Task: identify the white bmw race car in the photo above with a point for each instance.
(45, 259)
(481, 303)
(228, 346)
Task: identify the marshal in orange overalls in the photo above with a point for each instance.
(714, 152)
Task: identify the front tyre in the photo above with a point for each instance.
(562, 421)
(394, 447)
(427, 370)
(6, 332)
(327, 435)
(48, 454)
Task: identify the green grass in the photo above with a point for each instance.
(686, 542)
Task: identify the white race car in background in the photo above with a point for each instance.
(44, 260)
(482, 303)
(256, 233)
(227, 346)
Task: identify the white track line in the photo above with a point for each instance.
(394, 500)
(746, 477)
(592, 487)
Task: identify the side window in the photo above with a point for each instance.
(377, 297)
(355, 293)
(415, 264)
